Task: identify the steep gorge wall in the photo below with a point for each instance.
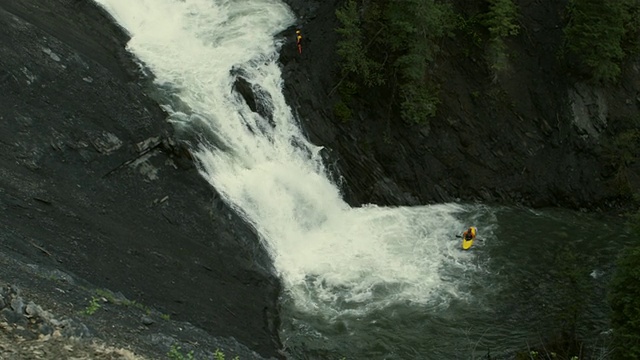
(94, 182)
(529, 135)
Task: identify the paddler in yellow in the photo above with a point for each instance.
(470, 233)
(299, 41)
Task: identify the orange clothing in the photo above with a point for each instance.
(469, 234)
(299, 41)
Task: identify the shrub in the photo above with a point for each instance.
(93, 306)
(622, 151)
(501, 19)
(501, 22)
(342, 111)
(175, 353)
(394, 43)
(351, 49)
(624, 299)
(418, 103)
(594, 34)
(631, 21)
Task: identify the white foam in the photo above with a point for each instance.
(331, 258)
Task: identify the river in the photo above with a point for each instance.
(514, 289)
(359, 283)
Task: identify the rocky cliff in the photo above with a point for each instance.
(531, 134)
(94, 183)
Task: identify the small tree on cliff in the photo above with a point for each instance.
(352, 50)
(594, 35)
(501, 21)
(625, 305)
(394, 43)
(418, 25)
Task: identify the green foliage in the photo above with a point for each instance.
(219, 355)
(471, 27)
(631, 21)
(175, 353)
(501, 22)
(418, 25)
(627, 145)
(595, 33)
(395, 43)
(501, 19)
(497, 55)
(107, 295)
(622, 151)
(351, 49)
(635, 222)
(342, 111)
(418, 103)
(624, 299)
(125, 302)
(93, 306)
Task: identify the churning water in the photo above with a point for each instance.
(370, 282)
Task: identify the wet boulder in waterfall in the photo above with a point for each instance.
(256, 98)
(242, 87)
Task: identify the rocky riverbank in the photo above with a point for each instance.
(95, 184)
(49, 314)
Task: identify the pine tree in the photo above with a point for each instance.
(625, 305)
(594, 35)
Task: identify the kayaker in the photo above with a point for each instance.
(470, 233)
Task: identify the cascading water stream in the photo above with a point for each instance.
(331, 258)
(369, 282)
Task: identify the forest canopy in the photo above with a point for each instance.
(394, 44)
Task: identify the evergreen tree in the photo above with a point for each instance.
(625, 305)
(394, 43)
(351, 49)
(501, 19)
(594, 34)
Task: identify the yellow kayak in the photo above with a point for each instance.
(466, 243)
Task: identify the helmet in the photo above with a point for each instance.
(297, 31)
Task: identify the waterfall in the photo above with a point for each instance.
(332, 258)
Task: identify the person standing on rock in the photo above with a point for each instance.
(299, 41)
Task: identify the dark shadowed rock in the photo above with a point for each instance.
(244, 89)
(530, 134)
(92, 181)
(258, 100)
(72, 320)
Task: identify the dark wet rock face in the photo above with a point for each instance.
(529, 135)
(257, 99)
(93, 182)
